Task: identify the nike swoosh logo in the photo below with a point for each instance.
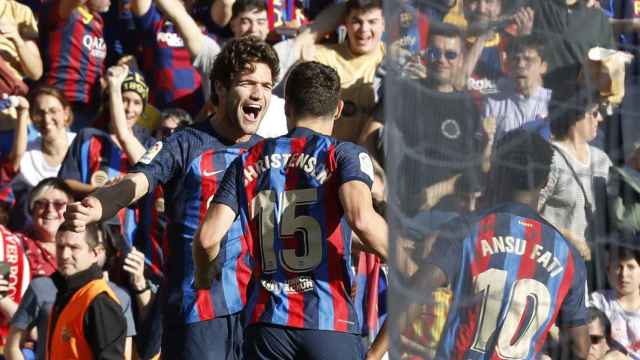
(206, 173)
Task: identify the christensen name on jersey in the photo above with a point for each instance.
(302, 161)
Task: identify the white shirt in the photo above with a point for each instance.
(34, 167)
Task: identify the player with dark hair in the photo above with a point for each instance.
(512, 274)
(300, 195)
(202, 324)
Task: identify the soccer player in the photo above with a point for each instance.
(512, 274)
(190, 165)
(299, 195)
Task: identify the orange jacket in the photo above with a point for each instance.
(67, 340)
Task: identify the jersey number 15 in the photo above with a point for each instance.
(306, 227)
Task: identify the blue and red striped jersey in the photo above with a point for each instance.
(73, 51)
(190, 165)
(167, 65)
(492, 64)
(512, 275)
(286, 192)
(93, 158)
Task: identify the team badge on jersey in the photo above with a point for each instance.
(151, 153)
(366, 165)
(99, 178)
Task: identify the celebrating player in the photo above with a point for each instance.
(190, 165)
(294, 194)
(512, 273)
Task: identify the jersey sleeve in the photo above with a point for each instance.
(72, 163)
(227, 193)
(149, 21)
(573, 311)
(354, 163)
(162, 161)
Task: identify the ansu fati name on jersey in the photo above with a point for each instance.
(305, 162)
(517, 246)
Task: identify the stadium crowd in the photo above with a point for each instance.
(251, 179)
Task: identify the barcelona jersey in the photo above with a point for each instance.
(286, 192)
(93, 158)
(73, 51)
(512, 275)
(190, 165)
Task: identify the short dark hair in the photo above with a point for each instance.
(597, 314)
(183, 117)
(93, 234)
(621, 252)
(312, 89)
(363, 5)
(524, 43)
(521, 162)
(445, 30)
(237, 57)
(566, 108)
(241, 6)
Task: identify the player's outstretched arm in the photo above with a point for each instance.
(206, 244)
(105, 202)
(370, 227)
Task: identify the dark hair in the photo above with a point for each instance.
(620, 252)
(312, 89)
(50, 91)
(445, 30)
(183, 117)
(237, 57)
(597, 314)
(46, 185)
(363, 5)
(566, 108)
(527, 42)
(521, 162)
(241, 6)
(93, 234)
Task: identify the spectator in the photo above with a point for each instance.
(85, 307)
(603, 347)
(35, 160)
(621, 303)
(356, 61)
(166, 61)
(485, 63)
(76, 67)
(47, 204)
(98, 156)
(170, 121)
(35, 308)
(571, 202)
(522, 99)
(18, 40)
(562, 24)
(446, 135)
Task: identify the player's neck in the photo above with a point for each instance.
(218, 124)
(529, 198)
(320, 126)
